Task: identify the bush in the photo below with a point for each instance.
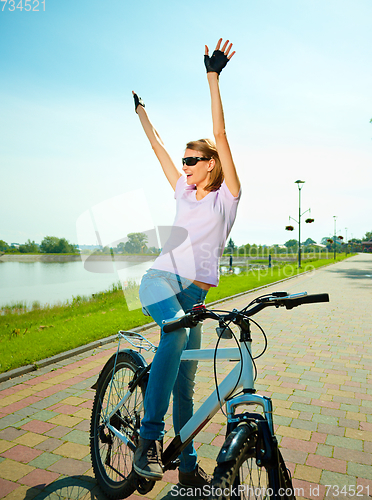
(52, 244)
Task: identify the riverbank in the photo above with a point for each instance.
(224, 261)
(50, 257)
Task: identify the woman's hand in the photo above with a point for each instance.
(219, 59)
(137, 101)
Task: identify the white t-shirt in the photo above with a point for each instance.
(199, 233)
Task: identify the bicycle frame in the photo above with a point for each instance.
(250, 451)
(241, 377)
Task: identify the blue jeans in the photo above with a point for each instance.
(166, 296)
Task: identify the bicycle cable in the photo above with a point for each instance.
(251, 303)
(215, 375)
(227, 327)
(254, 366)
(256, 300)
(264, 336)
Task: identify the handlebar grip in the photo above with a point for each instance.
(184, 322)
(307, 299)
(317, 297)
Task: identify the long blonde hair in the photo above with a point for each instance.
(209, 150)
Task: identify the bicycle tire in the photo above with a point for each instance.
(111, 458)
(255, 482)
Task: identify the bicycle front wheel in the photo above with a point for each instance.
(243, 478)
(111, 457)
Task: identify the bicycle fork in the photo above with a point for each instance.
(251, 399)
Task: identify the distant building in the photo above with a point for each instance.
(89, 247)
(367, 246)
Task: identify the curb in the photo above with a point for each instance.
(98, 343)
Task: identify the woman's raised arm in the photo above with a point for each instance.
(169, 168)
(214, 66)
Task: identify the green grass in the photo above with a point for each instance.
(29, 336)
(238, 283)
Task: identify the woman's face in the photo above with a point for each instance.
(197, 174)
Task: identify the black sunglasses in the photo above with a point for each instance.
(190, 161)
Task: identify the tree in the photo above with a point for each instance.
(3, 246)
(136, 243)
(230, 247)
(355, 241)
(291, 244)
(64, 246)
(29, 247)
(368, 236)
(49, 244)
(333, 243)
(154, 250)
(120, 248)
(52, 244)
(324, 241)
(309, 241)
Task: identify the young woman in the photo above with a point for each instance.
(207, 197)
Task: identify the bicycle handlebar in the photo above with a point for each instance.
(278, 299)
(307, 299)
(185, 322)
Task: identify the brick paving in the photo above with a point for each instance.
(317, 370)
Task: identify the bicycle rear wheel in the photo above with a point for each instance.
(112, 458)
(243, 478)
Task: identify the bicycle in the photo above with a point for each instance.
(249, 464)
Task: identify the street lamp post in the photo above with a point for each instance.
(347, 243)
(334, 238)
(299, 185)
(290, 228)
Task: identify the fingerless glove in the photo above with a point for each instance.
(137, 102)
(216, 63)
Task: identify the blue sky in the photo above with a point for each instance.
(297, 100)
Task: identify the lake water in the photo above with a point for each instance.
(53, 282)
